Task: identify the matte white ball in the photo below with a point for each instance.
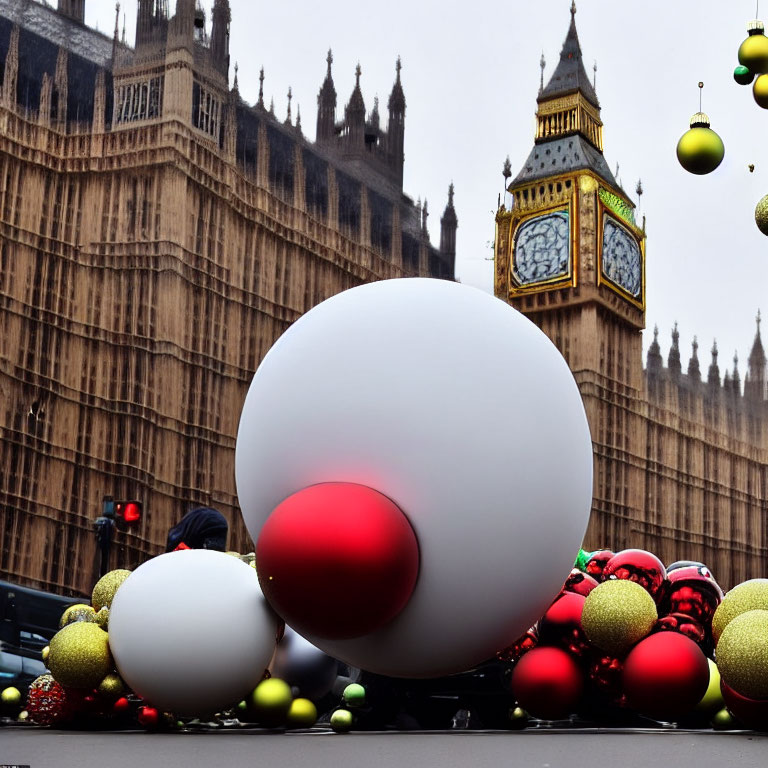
(460, 410)
(191, 632)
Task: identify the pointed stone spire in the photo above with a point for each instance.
(736, 378)
(298, 118)
(673, 361)
(272, 106)
(694, 371)
(236, 84)
(356, 105)
(424, 215)
(542, 64)
(11, 73)
(374, 119)
(713, 376)
(654, 361)
(570, 75)
(727, 386)
(354, 117)
(288, 119)
(754, 386)
(222, 18)
(396, 101)
(260, 102)
(396, 127)
(449, 223)
(326, 105)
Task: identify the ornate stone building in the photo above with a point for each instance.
(680, 462)
(157, 234)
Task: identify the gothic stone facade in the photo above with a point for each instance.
(680, 463)
(157, 235)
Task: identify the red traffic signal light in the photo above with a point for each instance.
(128, 511)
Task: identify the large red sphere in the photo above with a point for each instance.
(665, 676)
(753, 713)
(547, 683)
(637, 565)
(337, 560)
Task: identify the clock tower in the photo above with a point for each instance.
(570, 256)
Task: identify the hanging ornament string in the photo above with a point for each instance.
(701, 88)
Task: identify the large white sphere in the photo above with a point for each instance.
(460, 410)
(191, 632)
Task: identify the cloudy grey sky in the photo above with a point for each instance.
(471, 76)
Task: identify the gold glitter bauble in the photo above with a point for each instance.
(301, 714)
(80, 656)
(742, 654)
(102, 618)
(112, 686)
(78, 612)
(617, 614)
(760, 91)
(761, 215)
(44, 654)
(748, 596)
(106, 586)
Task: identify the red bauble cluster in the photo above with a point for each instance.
(663, 676)
(48, 702)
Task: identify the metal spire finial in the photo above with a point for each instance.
(235, 85)
(398, 67)
(542, 64)
(290, 97)
(573, 8)
(329, 59)
(261, 88)
(358, 72)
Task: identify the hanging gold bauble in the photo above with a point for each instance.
(742, 654)
(761, 215)
(700, 150)
(77, 612)
(753, 52)
(617, 614)
(79, 655)
(106, 586)
(760, 91)
(748, 596)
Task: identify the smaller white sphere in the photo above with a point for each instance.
(191, 632)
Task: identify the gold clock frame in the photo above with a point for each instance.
(638, 236)
(568, 281)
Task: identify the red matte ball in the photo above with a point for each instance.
(121, 706)
(337, 560)
(637, 565)
(753, 713)
(547, 683)
(665, 676)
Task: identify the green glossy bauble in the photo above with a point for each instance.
(302, 714)
(78, 612)
(712, 701)
(742, 654)
(748, 596)
(753, 54)
(354, 695)
(79, 655)
(724, 721)
(760, 91)
(342, 721)
(761, 215)
(617, 614)
(11, 701)
(106, 586)
(743, 75)
(270, 702)
(700, 150)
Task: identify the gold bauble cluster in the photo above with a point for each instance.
(79, 655)
(106, 587)
(748, 596)
(742, 654)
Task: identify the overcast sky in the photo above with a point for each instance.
(471, 76)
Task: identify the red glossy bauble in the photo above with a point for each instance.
(579, 582)
(637, 565)
(596, 563)
(685, 625)
(149, 717)
(520, 647)
(561, 624)
(753, 713)
(665, 676)
(122, 706)
(604, 676)
(547, 683)
(691, 589)
(337, 560)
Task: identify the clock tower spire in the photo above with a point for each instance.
(568, 252)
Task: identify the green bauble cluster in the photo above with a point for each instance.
(700, 150)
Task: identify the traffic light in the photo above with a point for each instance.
(128, 512)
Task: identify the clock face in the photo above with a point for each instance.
(542, 249)
(622, 261)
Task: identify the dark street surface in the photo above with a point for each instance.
(41, 748)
